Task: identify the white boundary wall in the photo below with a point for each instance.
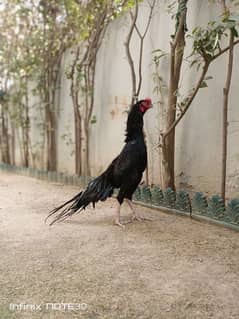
(198, 150)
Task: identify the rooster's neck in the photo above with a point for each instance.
(135, 125)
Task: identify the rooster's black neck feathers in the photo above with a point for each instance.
(135, 123)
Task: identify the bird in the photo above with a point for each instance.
(124, 173)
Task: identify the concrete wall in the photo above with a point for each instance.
(198, 150)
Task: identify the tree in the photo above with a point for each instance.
(4, 137)
(207, 47)
(232, 22)
(40, 33)
(7, 58)
(43, 37)
(136, 76)
(54, 39)
(94, 18)
(176, 58)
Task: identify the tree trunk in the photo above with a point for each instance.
(89, 73)
(225, 118)
(87, 151)
(75, 87)
(168, 155)
(51, 142)
(50, 136)
(176, 58)
(5, 138)
(168, 146)
(50, 90)
(78, 143)
(13, 143)
(25, 129)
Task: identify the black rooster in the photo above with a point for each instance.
(125, 172)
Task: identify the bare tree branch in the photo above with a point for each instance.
(142, 47)
(136, 88)
(180, 28)
(224, 50)
(128, 52)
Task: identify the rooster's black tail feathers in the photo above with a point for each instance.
(99, 189)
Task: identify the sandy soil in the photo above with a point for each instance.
(171, 267)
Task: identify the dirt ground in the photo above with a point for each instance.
(171, 267)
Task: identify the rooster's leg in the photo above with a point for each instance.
(135, 216)
(117, 217)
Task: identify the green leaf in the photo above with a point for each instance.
(203, 85)
(157, 51)
(93, 119)
(235, 32)
(193, 62)
(208, 78)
